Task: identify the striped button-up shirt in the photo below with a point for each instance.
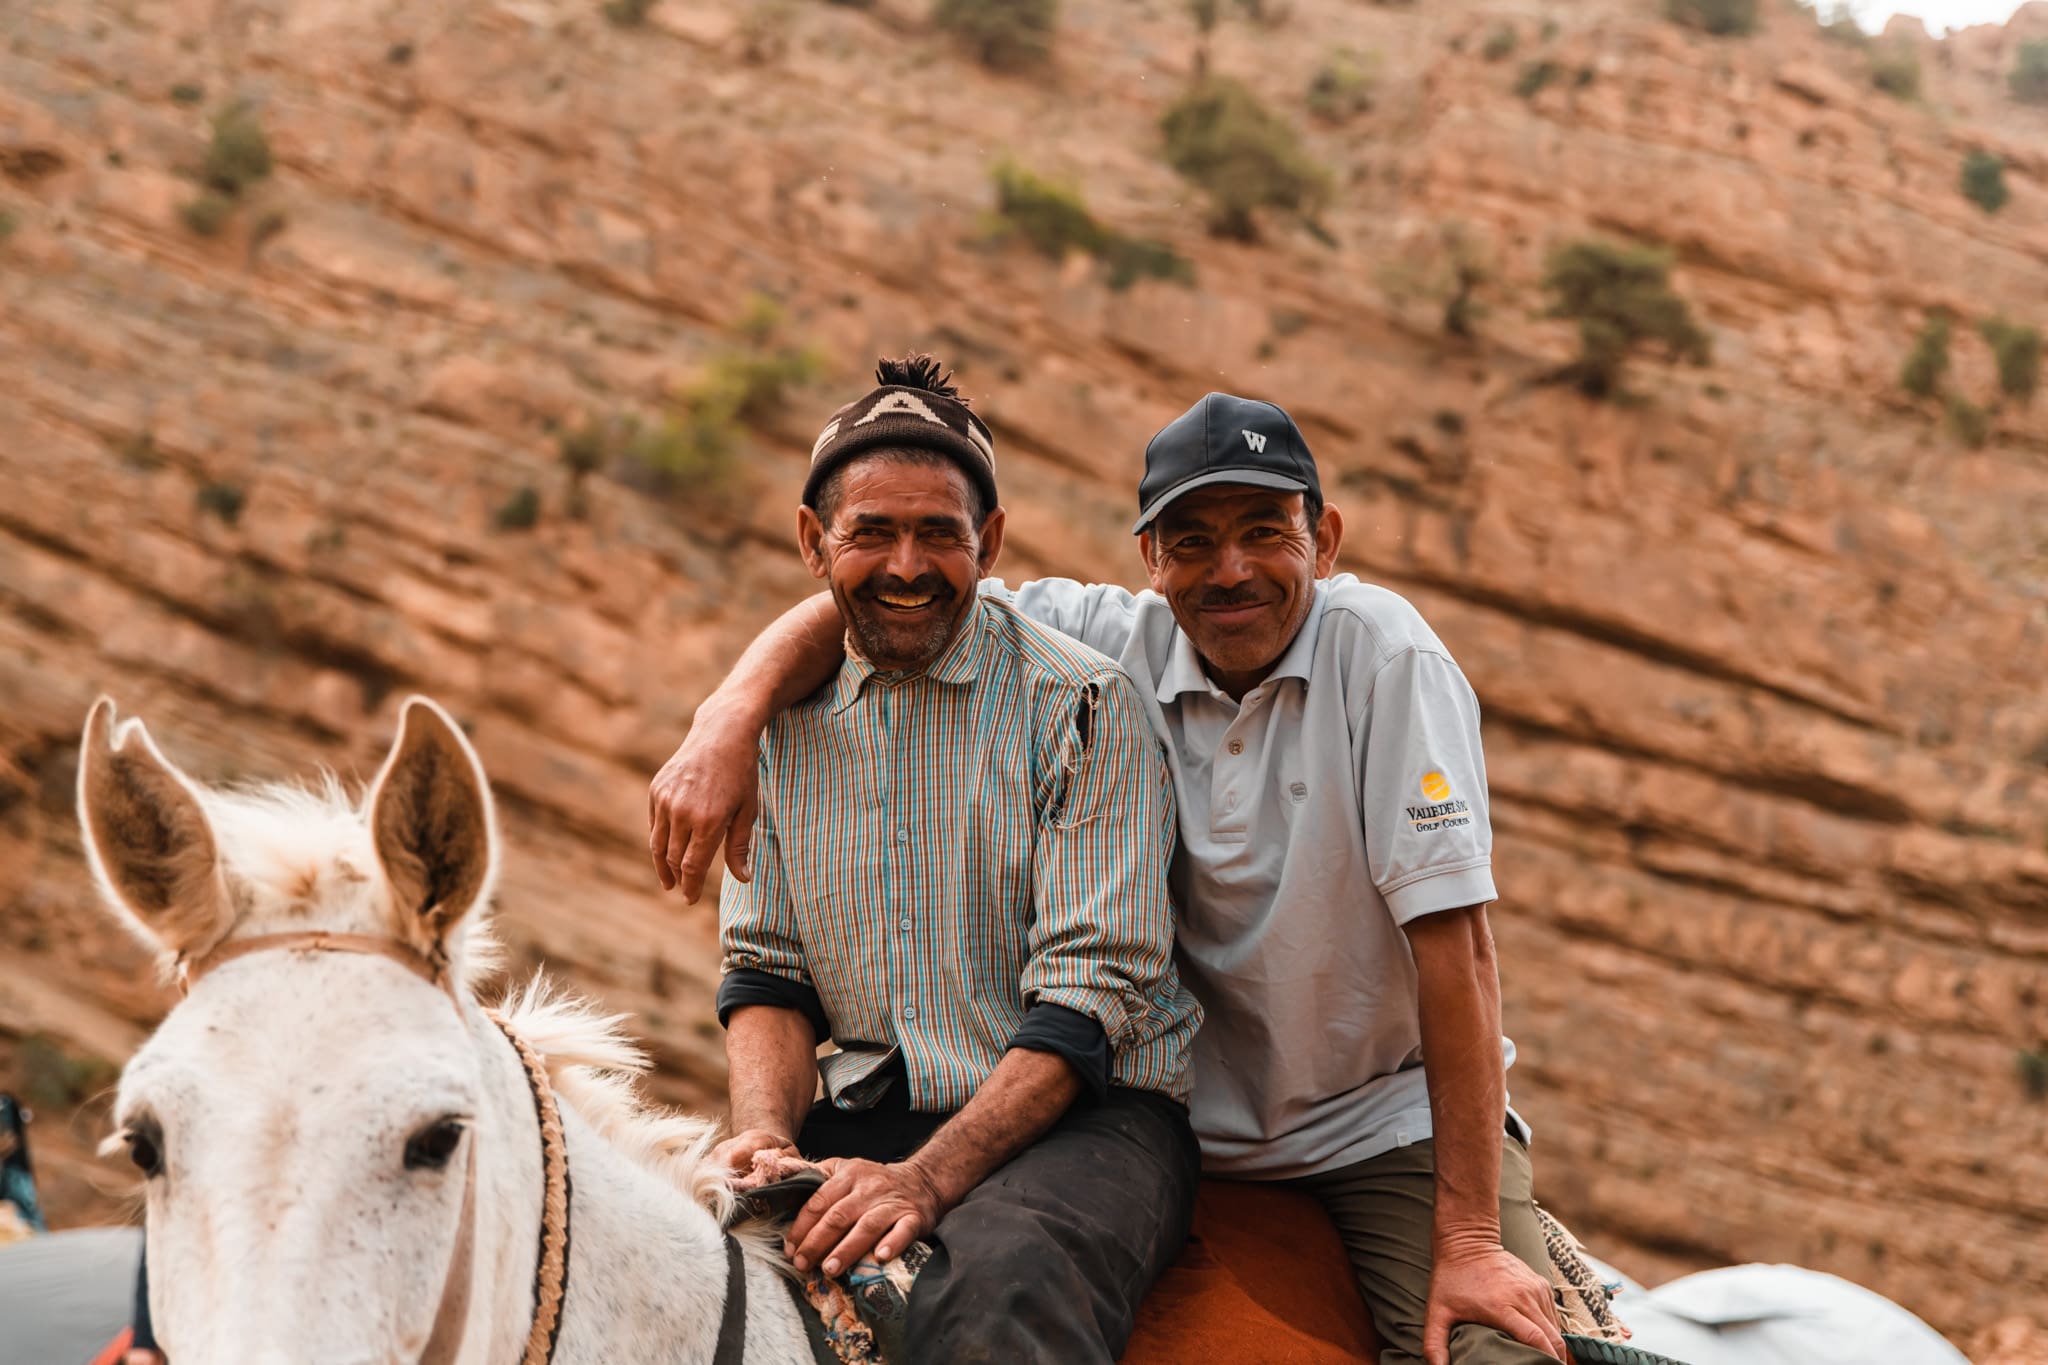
(938, 852)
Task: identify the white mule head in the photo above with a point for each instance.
(303, 1118)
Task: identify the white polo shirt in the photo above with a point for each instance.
(1343, 798)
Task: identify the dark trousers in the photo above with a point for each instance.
(1048, 1259)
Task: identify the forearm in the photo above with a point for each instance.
(796, 655)
(1459, 999)
(1023, 1097)
(771, 1055)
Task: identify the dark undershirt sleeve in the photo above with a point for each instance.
(751, 986)
(1067, 1034)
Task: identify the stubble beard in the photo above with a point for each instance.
(894, 646)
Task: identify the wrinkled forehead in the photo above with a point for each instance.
(903, 486)
(1223, 506)
(281, 1026)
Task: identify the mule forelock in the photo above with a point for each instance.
(304, 856)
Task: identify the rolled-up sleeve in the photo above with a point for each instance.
(1101, 940)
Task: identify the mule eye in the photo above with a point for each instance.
(430, 1148)
(145, 1149)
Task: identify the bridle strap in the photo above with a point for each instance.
(551, 1266)
(732, 1328)
(431, 969)
(451, 1319)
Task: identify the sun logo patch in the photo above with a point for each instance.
(1439, 809)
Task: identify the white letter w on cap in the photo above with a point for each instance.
(1256, 440)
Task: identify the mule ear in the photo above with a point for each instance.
(430, 813)
(147, 838)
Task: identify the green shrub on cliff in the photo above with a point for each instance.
(519, 512)
(207, 214)
(2033, 1068)
(1969, 421)
(224, 500)
(1621, 298)
(1054, 219)
(1896, 71)
(239, 154)
(1535, 76)
(2028, 79)
(1341, 89)
(1005, 34)
(1722, 18)
(1243, 156)
(1928, 362)
(1984, 180)
(2018, 351)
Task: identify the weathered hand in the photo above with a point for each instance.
(706, 793)
(737, 1152)
(862, 1205)
(1491, 1286)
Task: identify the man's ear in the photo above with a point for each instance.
(992, 540)
(1329, 536)
(147, 838)
(1148, 550)
(431, 818)
(810, 542)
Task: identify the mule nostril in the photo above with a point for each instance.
(430, 1148)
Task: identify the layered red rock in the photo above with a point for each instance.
(1760, 653)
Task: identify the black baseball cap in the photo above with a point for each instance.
(1224, 439)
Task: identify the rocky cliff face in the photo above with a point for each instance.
(1760, 652)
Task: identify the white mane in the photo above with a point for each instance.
(594, 1065)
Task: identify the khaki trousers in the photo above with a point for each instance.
(1382, 1209)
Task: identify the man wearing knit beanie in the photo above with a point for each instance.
(959, 877)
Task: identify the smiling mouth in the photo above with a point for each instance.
(898, 601)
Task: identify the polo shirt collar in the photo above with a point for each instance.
(1184, 673)
(959, 663)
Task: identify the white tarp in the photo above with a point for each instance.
(1776, 1315)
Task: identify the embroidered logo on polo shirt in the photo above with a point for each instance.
(1442, 812)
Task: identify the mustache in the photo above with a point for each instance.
(924, 585)
(1232, 597)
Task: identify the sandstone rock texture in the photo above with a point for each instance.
(1760, 651)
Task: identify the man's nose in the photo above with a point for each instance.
(906, 559)
(1231, 569)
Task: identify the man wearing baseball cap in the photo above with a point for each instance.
(1332, 873)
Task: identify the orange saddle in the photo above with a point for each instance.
(1263, 1281)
